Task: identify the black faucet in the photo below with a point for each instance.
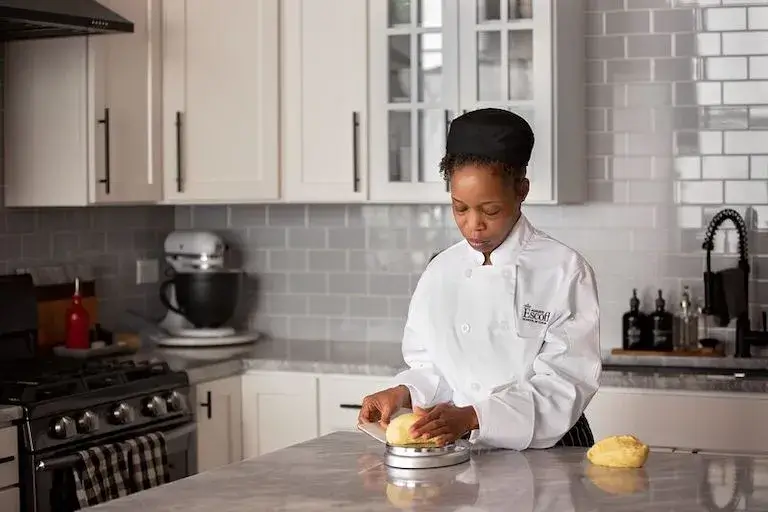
(745, 336)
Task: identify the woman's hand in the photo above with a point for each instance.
(444, 423)
(379, 407)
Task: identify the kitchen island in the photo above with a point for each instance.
(344, 471)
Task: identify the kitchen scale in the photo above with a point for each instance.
(418, 456)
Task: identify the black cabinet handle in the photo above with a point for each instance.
(350, 406)
(107, 163)
(447, 128)
(178, 154)
(5, 460)
(208, 404)
(355, 152)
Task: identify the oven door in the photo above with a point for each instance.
(52, 486)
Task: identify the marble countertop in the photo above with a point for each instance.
(385, 360)
(344, 471)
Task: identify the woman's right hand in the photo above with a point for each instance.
(379, 407)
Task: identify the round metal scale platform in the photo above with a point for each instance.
(426, 457)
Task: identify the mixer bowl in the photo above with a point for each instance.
(207, 299)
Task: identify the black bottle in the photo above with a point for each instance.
(661, 326)
(633, 325)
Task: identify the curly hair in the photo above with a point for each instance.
(451, 162)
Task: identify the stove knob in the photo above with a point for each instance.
(63, 428)
(155, 407)
(87, 422)
(175, 402)
(121, 414)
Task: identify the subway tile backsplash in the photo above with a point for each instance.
(677, 99)
(678, 112)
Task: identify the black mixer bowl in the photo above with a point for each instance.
(207, 299)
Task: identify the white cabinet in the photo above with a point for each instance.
(220, 100)
(683, 420)
(219, 423)
(279, 410)
(9, 470)
(324, 63)
(82, 116)
(432, 60)
(340, 398)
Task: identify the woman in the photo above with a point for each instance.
(502, 335)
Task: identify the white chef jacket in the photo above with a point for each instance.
(518, 339)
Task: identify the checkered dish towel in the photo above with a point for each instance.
(104, 473)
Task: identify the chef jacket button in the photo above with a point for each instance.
(506, 273)
(465, 328)
(475, 386)
(468, 272)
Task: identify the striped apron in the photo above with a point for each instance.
(579, 436)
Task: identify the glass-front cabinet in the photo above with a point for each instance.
(431, 60)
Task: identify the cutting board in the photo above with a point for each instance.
(703, 352)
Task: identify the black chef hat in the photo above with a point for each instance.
(492, 133)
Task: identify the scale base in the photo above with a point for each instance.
(426, 457)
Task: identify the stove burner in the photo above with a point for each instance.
(42, 380)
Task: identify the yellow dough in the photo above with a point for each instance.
(619, 452)
(398, 431)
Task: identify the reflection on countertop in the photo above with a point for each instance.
(344, 471)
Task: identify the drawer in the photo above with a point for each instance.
(9, 500)
(341, 397)
(9, 458)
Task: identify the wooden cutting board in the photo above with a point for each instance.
(703, 352)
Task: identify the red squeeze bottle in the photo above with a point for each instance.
(78, 322)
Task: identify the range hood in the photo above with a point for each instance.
(41, 19)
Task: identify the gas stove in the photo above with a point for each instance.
(68, 402)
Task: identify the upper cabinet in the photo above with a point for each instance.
(82, 116)
(220, 100)
(431, 60)
(325, 100)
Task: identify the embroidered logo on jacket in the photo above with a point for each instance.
(537, 316)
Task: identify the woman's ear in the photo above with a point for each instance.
(522, 188)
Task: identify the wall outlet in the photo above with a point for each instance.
(147, 271)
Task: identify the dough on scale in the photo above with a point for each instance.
(619, 452)
(398, 431)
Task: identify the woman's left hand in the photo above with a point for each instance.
(444, 423)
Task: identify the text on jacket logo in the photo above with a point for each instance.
(537, 316)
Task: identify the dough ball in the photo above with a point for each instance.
(621, 481)
(398, 430)
(619, 452)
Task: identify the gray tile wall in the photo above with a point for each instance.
(678, 108)
(108, 239)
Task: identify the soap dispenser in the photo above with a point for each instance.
(686, 324)
(661, 326)
(633, 325)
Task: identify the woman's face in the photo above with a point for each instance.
(485, 205)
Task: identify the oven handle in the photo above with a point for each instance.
(68, 460)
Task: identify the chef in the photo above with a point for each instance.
(502, 335)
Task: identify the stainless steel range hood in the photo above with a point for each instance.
(41, 19)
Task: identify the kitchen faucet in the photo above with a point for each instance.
(745, 336)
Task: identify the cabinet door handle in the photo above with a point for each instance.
(355, 152)
(447, 129)
(5, 460)
(208, 404)
(179, 186)
(107, 163)
(350, 406)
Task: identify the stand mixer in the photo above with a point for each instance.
(209, 290)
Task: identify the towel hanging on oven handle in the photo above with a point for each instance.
(68, 460)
